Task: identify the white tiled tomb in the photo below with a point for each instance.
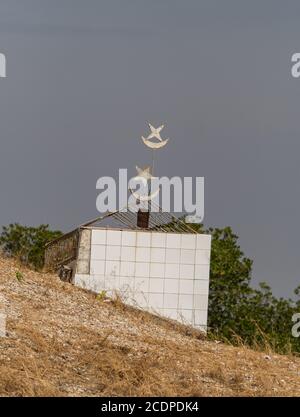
(164, 273)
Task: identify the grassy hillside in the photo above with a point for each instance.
(62, 341)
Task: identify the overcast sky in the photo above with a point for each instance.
(85, 76)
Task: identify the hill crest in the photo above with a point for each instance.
(63, 341)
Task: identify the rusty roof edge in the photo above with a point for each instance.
(97, 219)
(65, 235)
(109, 214)
(89, 223)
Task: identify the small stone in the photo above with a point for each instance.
(2, 324)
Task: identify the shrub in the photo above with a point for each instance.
(239, 313)
(27, 243)
(19, 276)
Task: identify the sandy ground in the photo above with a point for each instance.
(63, 341)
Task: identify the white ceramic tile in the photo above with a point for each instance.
(142, 269)
(186, 271)
(141, 284)
(202, 257)
(158, 240)
(170, 301)
(113, 253)
(156, 285)
(143, 239)
(173, 240)
(111, 282)
(156, 301)
(157, 270)
(112, 268)
(203, 241)
(185, 301)
(92, 283)
(187, 256)
(201, 286)
(127, 269)
(200, 317)
(89, 284)
(98, 252)
(98, 283)
(158, 255)
(124, 281)
(113, 237)
(126, 285)
(93, 286)
(140, 299)
(188, 241)
(128, 238)
(172, 256)
(202, 272)
(142, 254)
(97, 267)
(159, 312)
(201, 302)
(186, 316)
(186, 286)
(172, 270)
(98, 237)
(171, 313)
(128, 253)
(171, 286)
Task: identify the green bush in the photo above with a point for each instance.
(239, 313)
(27, 243)
(242, 314)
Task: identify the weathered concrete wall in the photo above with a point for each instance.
(84, 252)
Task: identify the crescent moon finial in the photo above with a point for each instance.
(155, 133)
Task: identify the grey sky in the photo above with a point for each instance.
(85, 76)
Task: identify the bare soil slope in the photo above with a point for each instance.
(62, 341)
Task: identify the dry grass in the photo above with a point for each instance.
(62, 341)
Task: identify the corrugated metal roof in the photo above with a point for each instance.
(159, 220)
